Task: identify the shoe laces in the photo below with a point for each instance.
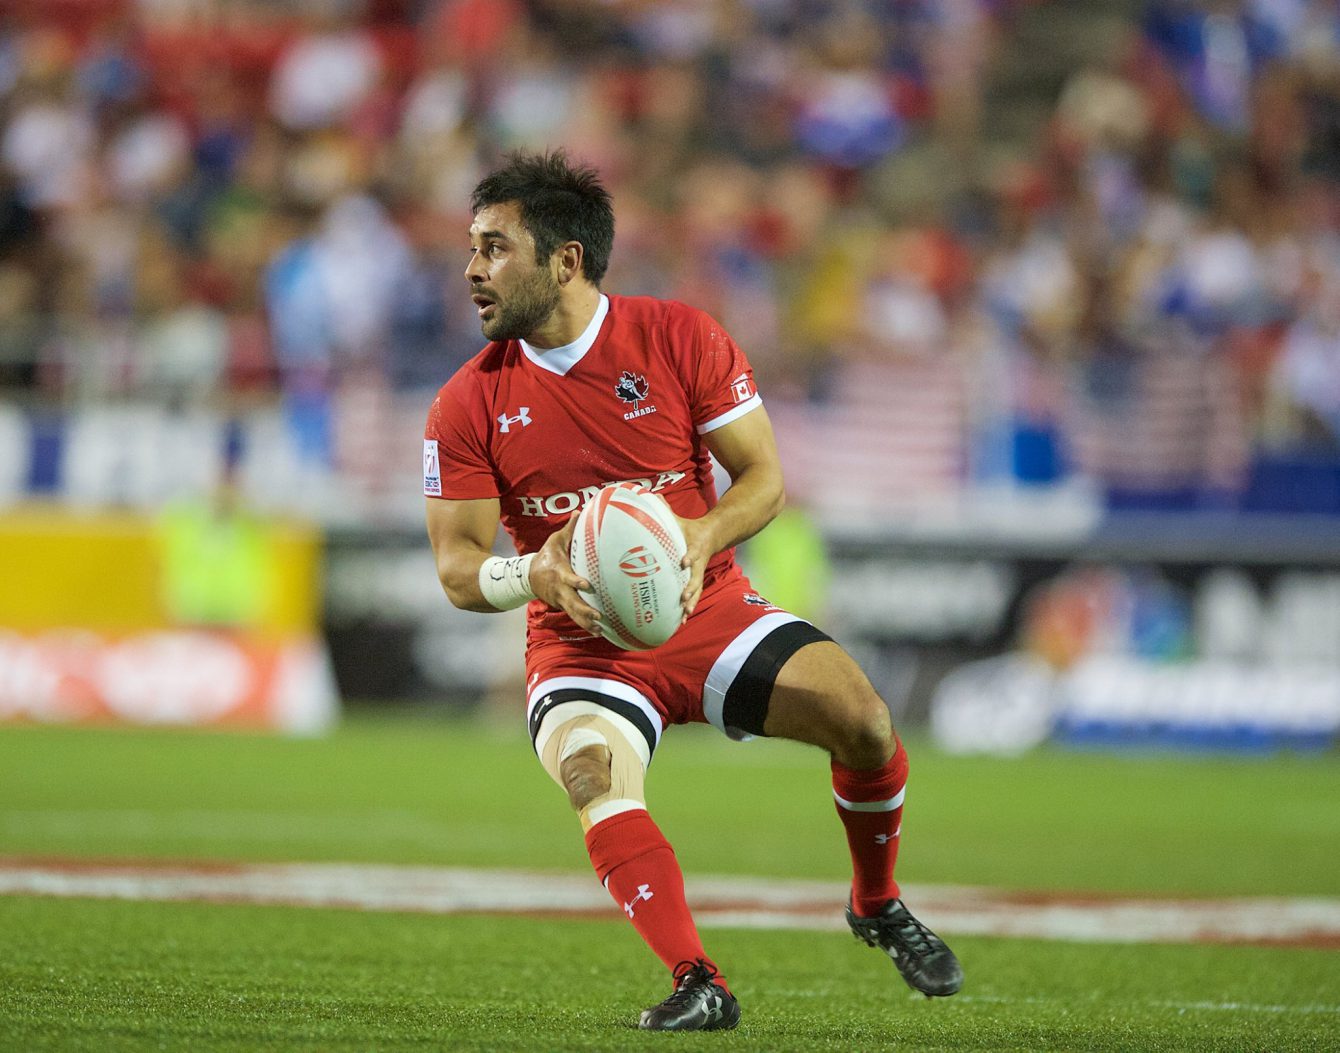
(911, 933)
(688, 976)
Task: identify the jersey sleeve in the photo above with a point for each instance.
(723, 381)
(456, 463)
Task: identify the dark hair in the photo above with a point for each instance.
(559, 202)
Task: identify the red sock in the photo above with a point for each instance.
(638, 867)
(870, 805)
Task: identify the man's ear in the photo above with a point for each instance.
(570, 256)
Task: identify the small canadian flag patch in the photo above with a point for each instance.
(742, 388)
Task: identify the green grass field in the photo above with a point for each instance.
(108, 975)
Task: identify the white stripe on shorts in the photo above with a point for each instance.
(614, 688)
(871, 806)
(727, 668)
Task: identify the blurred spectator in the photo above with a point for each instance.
(1307, 374)
(844, 99)
(362, 263)
(327, 71)
(20, 327)
(217, 558)
(47, 145)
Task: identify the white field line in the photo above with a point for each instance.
(721, 901)
(1181, 1007)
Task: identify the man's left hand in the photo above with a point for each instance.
(701, 548)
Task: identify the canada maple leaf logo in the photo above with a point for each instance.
(631, 387)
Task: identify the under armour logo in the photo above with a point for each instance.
(712, 1008)
(884, 839)
(505, 422)
(643, 892)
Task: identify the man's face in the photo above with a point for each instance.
(514, 294)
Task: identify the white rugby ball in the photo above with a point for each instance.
(628, 545)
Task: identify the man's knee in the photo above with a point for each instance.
(598, 764)
(585, 774)
(863, 738)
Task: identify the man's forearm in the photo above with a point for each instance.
(755, 497)
(476, 580)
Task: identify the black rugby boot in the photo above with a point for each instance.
(698, 1004)
(921, 956)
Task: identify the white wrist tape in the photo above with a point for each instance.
(505, 581)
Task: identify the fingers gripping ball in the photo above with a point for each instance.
(628, 545)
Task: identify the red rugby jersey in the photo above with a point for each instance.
(631, 399)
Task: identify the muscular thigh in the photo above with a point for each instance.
(821, 696)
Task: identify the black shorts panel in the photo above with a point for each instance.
(746, 703)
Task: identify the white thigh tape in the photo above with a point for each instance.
(598, 813)
(579, 739)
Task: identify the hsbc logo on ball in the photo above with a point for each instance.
(639, 562)
(644, 601)
(569, 501)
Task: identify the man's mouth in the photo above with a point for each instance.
(484, 303)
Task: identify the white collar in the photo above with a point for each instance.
(561, 359)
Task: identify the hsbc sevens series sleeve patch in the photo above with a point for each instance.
(432, 473)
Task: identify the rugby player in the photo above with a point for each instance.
(577, 389)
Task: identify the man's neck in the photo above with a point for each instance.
(576, 308)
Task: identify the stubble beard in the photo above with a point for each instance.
(527, 308)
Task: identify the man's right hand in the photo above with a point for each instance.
(553, 580)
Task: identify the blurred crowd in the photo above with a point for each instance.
(266, 200)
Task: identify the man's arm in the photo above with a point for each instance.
(747, 450)
(462, 532)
